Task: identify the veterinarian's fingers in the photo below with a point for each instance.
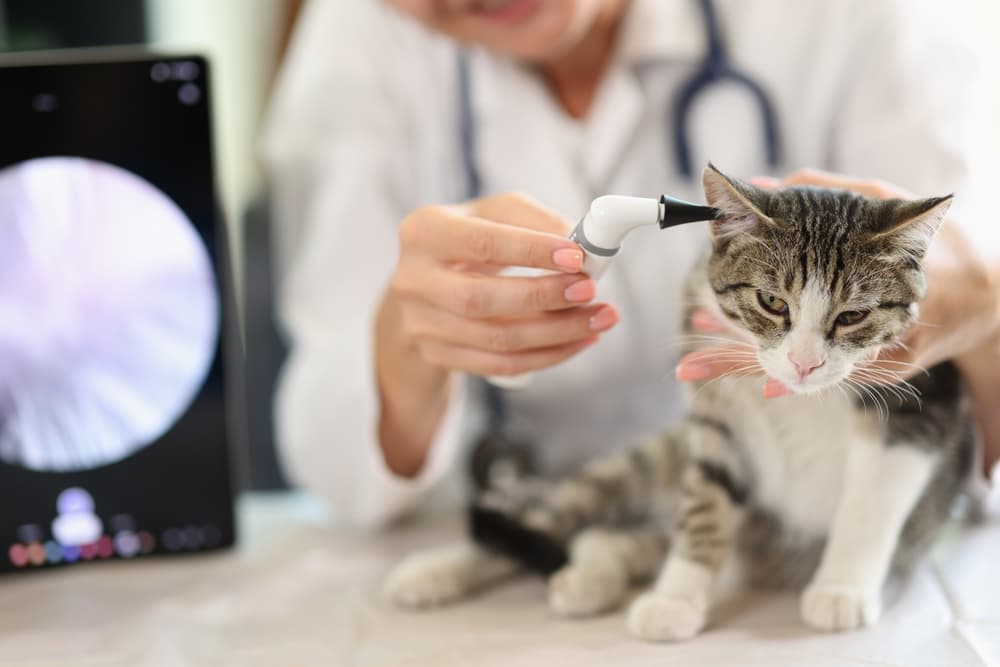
(766, 182)
(704, 321)
(774, 388)
(449, 236)
(422, 321)
(715, 362)
(483, 362)
(825, 179)
(520, 210)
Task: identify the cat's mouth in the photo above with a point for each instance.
(825, 377)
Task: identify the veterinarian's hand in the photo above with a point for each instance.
(959, 318)
(447, 310)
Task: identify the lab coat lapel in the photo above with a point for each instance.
(540, 157)
(653, 32)
(610, 126)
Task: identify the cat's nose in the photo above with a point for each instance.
(805, 364)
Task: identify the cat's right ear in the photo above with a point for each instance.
(740, 204)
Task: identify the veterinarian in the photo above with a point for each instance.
(401, 129)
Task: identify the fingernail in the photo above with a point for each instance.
(603, 319)
(774, 389)
(691, 371)
(568, 258)
(580, 291)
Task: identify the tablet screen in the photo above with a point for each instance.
(113, 304)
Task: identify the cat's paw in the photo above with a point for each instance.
(658, 617)
(585, 591)
(839, 607)
(426, 580)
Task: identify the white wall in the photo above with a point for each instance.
(987, 15)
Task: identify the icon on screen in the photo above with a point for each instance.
(76, 524)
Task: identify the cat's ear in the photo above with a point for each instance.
(911, 225)
(741, 204)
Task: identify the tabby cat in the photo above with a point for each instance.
(827, 490)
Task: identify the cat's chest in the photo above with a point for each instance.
(796, 447)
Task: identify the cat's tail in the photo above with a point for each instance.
(533, 521)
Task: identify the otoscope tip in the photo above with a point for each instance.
(675, 212)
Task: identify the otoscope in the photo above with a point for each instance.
(602, 232)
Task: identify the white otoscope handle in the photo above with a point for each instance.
(600, 234)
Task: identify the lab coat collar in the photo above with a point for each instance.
(655, 30)
(652, 31)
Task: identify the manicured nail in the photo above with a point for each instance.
(774, 389)
(580, 291)
(692, 371)
(603, 319)
(568, 258)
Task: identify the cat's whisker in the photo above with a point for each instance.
(861, 398)
(893, 383)
(889, 376)
(722, 340)
(884, 381)
(877, 363)
(715, 349)
(899, 345)
(745, 370)
(877, 400)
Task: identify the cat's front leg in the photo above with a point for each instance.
(438, 576)
(882, 485)
(602, 563)
(714, 488)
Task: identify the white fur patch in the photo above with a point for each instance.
(881, 487)
(677, 608)
(442, 575)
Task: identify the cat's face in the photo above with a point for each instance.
(821, 280)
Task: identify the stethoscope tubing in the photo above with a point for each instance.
(715, 68)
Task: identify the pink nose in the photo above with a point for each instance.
(805, 365)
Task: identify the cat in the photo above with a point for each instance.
(826, 490)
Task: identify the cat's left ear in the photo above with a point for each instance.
(741, 205)
(912, 225)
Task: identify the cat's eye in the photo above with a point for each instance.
(849, 317)
(771, 303)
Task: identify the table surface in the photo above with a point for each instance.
(299, 592)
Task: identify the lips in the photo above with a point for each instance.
(493, 5)
(505, 11)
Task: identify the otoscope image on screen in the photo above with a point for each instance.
(110, 314)
(115, 312)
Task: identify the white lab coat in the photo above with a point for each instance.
(363, 129)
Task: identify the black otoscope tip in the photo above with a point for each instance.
(678, 212)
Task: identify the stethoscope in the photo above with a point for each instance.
(499, 456)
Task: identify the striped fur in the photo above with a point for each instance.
(828, 489)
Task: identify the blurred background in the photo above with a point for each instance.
(244, 41)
